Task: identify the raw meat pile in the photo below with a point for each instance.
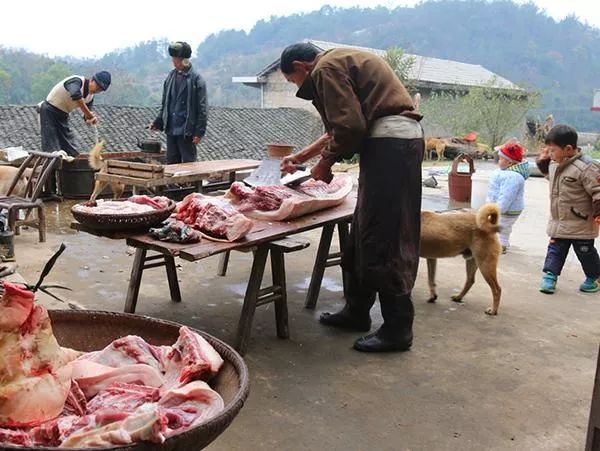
(264, 198)
(135, 204)
(214, 218)
(280, 203)
(129, 391)
(317, 188)
(158, 202)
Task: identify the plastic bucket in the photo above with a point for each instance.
(480, 182)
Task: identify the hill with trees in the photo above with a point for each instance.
(558, 59)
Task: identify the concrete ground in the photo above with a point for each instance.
(522, 380)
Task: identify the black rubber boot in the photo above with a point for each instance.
(355, 314)
(396, 332)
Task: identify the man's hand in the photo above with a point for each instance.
(197, 139)
(289, 164)
(322, 171)
(597, 219)
(91, 119)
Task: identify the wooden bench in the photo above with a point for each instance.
(277, 293)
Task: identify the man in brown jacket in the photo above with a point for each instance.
(366, 110)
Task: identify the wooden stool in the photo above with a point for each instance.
(277, 293)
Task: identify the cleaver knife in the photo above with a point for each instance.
(269, 173)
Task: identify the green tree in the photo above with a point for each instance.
(401, 64)
(495, 114)
(5, 80)
(42, 82)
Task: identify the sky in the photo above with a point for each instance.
(93, 28)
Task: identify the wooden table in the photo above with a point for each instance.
(260, 240)
(184, 173)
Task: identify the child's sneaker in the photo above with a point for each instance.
(589, 285)
(548, 285)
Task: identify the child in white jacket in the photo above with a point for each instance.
(507, 188)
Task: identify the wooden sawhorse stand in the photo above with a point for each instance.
(325, 259)
(142, 261)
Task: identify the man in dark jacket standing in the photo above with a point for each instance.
(183, 111)
(367, 110)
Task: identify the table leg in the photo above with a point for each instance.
(223, 264)
(135, 280)
(254, 282)
(172, 278)
(320, 265)
(343, 232)
(281, 310)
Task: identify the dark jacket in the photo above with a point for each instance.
(197, 110)
(351, 89)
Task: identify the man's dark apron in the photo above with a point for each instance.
(383, 246)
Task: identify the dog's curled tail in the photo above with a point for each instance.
(488, 218)
(95, 157)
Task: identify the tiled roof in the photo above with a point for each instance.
(427, 70)
(231, 132)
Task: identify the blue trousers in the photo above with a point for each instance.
(558, 249)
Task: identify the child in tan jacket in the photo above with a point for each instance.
(574, 208)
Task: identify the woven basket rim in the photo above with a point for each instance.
(229, 354)
(94, 203)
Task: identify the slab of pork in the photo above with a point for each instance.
(34, 376)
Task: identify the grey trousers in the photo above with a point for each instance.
(55, 130)
(180, 149)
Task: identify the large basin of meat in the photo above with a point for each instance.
(88, 330)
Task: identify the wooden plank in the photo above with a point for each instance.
(145, 183)
(290, 244)
(264, 231)
(137, 173)
(206, 168)
(261, 233)
(187, 173)
(134, 165)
